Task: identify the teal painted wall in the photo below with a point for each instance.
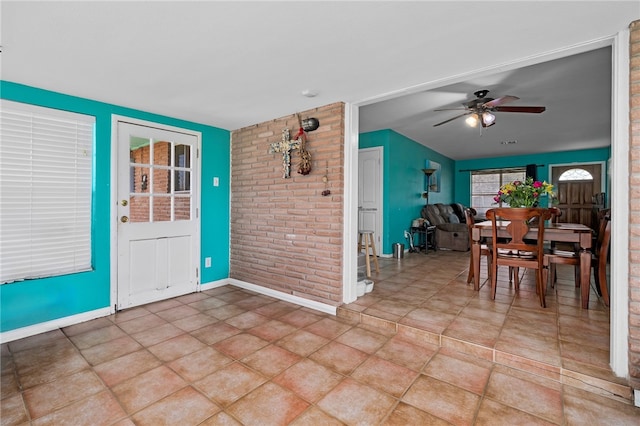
(404, 182)
(34, 301)
(463, 179)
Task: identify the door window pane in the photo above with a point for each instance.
(162, 153)
(182, 163)
(182, 207)
(182, 181)
(139, 180)
(139, 150)
(161, 184)
(139, 208)
(162, 209)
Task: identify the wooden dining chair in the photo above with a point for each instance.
(560, 253)
(600, 257)
(557, 256)
(555, 213)
(515, 251)
(598, 261)
(469, 215)
(598, 233)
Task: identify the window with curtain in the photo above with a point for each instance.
(46, 175)
(485, 185)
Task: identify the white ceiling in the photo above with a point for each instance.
(234, 64)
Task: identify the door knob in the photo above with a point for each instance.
(124, 203)
(124, 219)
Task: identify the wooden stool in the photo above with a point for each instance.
(368, 242)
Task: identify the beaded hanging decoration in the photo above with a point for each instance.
(304, 167)
(325, 179)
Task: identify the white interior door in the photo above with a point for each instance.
(370, 192)
(158, 224)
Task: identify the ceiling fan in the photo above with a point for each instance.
(480, 110)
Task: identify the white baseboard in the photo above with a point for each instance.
(214, 284)
(297, 300)
(43, 327)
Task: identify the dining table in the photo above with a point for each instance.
(576, 233)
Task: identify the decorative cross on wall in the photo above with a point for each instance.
(285, 146)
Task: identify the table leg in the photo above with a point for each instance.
(475, 248)
(585, 277)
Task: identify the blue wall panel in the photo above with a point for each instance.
(34, 301)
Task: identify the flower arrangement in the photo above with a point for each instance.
(523, 193)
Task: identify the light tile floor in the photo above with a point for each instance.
(422, 348)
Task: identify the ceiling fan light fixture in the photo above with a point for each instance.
(488, 119)
(472, 120)
(480, 110)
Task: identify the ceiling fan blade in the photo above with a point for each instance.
(450, 109)
(499, 101)
(451, 119)
(531, 109)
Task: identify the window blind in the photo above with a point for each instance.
(46, 162)
(486, 183)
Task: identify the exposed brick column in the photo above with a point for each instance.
(285, 235)
(634, 207)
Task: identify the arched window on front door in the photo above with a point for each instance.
(575, 174)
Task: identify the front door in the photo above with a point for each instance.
(158, 224)
(370, 192)
(575, 197)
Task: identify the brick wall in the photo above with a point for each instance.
(634, 209)
(285, 235)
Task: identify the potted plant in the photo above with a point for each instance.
(525, 193)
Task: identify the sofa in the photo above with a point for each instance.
(451, 229)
